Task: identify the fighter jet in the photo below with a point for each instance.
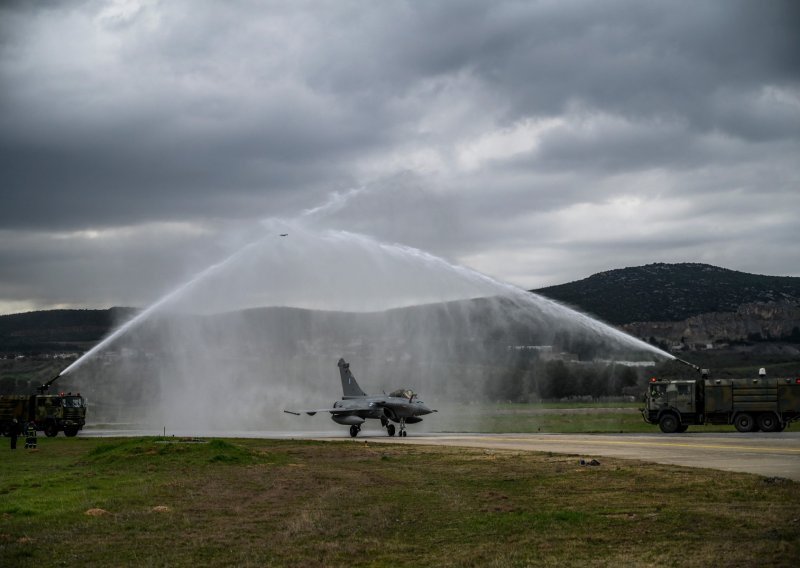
(356, 406)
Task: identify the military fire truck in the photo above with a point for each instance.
(762, 403)
(51, 413)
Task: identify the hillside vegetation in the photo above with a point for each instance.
(670, 292)
(57, 330)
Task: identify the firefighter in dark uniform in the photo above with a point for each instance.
(30, 435)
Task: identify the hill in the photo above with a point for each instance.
(669, 303)
(485, 346)
(671, 292)
(57, 330)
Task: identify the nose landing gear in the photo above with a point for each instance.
(391, 429)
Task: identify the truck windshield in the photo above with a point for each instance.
(73, 402)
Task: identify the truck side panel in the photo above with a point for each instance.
(756, 395)
(718, 397)
(789, 399)
(14, 406)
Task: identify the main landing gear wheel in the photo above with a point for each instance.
(354, 430)
(390, 429)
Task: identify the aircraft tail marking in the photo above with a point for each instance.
(350, 388)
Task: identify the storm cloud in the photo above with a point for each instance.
(538, 142)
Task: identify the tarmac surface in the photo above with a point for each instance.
(770, 455)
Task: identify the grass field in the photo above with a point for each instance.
(566, 418)
(156, 502)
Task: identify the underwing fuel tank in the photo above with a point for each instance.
(348, 420)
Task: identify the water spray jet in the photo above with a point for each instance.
(269, 319)
(143, 315)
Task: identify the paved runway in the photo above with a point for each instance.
(763, 454)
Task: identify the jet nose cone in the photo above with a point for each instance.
(422, 408)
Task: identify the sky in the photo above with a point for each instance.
(537, 142)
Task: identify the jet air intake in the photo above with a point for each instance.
(347, 419)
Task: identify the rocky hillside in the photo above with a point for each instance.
(768, 321)
(690, 303)
(671, 292)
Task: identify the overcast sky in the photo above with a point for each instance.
(538, 142)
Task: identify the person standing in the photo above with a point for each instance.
(30, 435)
(14, 433)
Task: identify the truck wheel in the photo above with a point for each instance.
(71, 431)
(768, 422)
(682, 428)
(51, 430)
(744, 423)
(669, 423)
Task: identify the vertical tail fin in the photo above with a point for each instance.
(350, 387)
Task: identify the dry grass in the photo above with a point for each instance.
(261, 503)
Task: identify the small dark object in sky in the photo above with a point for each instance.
(284, 234)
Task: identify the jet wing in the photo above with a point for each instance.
(336, 410)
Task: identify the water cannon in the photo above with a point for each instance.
(692, 365)
(46, 386)
(703, 372)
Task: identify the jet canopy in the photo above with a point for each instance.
(403, 393)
